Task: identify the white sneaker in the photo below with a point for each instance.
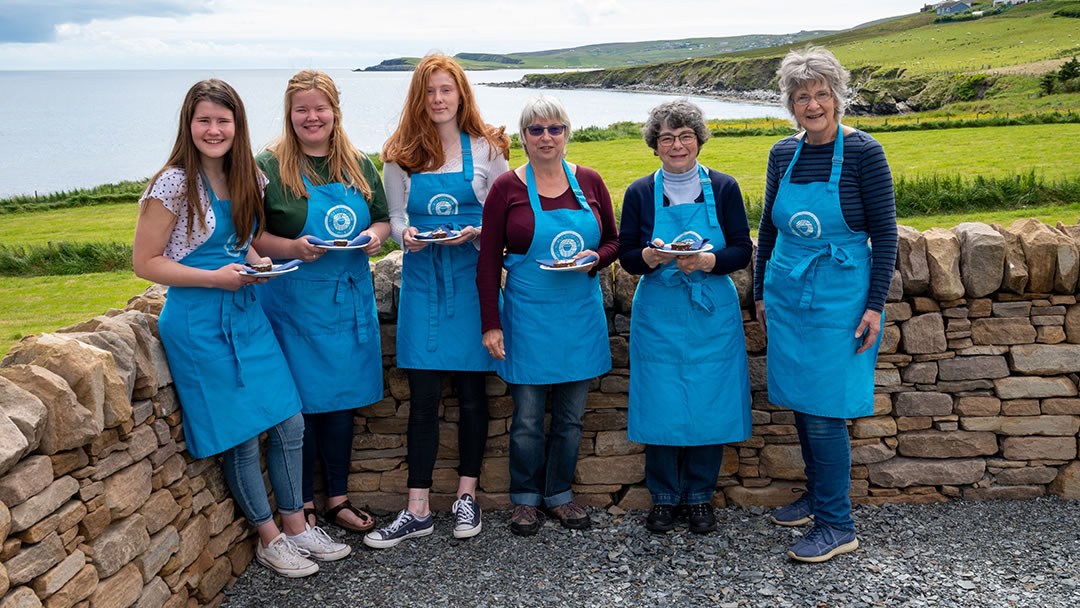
(319, 544)
(285, 558)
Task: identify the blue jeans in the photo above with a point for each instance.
(328, 436)
(283, 458)
(539, 473)
(826, 450)
(682, 475)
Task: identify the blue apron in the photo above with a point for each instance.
(229, 371)
(554, 326)
(324, 312)
(689, 380)
(816, 286)
(439, 307)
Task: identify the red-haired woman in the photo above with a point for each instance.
(196, 221)
(440, 162)
(323, 190)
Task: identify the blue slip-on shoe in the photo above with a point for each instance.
(405, 526)
(466, 517)
(797, 513)
(822, 543)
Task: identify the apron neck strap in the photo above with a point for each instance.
(706, 189)
(466, 157)
(534, 197)
(837, 160)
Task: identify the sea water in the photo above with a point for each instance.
(77, 129)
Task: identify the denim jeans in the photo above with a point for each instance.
(425, 389)
(328, 437)
(826, 450)
(682, 475)
(541, 471)
(283, 459)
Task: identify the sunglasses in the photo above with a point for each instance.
(538, 130)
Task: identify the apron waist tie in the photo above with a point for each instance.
(698, 296)
(440, 256)
(241, 299)
(806, 270)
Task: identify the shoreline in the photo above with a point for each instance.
(760, 97)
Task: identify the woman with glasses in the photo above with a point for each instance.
(684, 230)
(551, 226)
(826, 252)
(440, 163)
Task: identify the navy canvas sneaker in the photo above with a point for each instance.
(797, 513)
(467, 517)
(405, 526)
(822, 543)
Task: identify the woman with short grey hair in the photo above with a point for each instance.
(684, 231)
(550, 224)
(820, 288)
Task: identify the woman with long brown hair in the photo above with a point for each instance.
(440, 162)
(325, 197)
(196, 221)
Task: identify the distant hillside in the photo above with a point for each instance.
(908, 63)
(612, 54)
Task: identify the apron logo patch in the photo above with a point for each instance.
(340, 220)
(566, 244)
(232, 248)
(689, 234)
(442, 204)
(805, 224)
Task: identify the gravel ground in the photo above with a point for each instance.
(957, 554)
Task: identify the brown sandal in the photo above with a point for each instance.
(332, 516)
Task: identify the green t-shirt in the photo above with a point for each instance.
(287, 214)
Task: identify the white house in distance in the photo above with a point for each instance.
(997, 2)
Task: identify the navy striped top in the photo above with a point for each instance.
(866, 200)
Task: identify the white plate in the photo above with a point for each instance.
(704, 248)
(570, 268)
(272, 273)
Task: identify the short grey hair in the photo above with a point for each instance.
(542, 107)
(675, 114)
(813, 64)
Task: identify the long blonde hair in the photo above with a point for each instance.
(245, 191)
(342, 157)
(415, 145)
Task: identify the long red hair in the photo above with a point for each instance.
(415, 145)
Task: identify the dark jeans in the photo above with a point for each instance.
(329, 437)
(826, 450)
(682, 475)
(543, 471)
(425, 388)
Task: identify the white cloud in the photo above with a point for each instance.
(279, 33)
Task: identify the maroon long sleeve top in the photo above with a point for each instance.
(508, 228)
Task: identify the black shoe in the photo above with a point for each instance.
(682, 512)
(702, 519)
(660, 519)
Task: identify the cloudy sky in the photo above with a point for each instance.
(132, 34)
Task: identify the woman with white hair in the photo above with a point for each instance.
(550, 224)
(820, 288)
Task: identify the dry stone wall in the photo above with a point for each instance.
(100, 504)
(977, 381)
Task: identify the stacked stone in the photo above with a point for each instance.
(100, 504)
(976, 388)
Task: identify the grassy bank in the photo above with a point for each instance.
(37, 304)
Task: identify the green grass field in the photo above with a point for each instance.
(1049, 150)
(38, 304)
(1023, 34)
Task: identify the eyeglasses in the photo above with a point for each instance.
(538, 130)
(686, 138)
(820, 97)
